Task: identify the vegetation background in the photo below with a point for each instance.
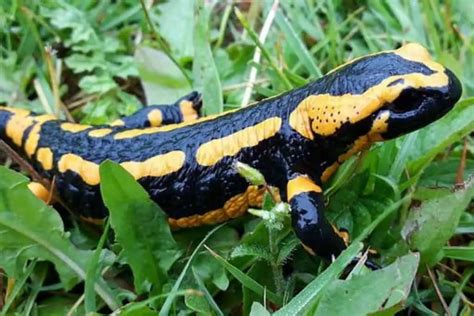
(93, 61)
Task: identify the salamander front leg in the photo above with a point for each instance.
(185, 109)
(309, 223)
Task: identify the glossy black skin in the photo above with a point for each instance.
(195, 189)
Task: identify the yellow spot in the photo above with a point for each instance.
(117, 123)
(34, 136)
(343, 234)
(40, 191)
(234, 207)
(154, 167)
(211, 152)
(88, 171)
(301, 184)
(17, 125)
(74, 128)
(155, 117)
(45, 157)
(187, 110)
(329, 171)
(100, 132)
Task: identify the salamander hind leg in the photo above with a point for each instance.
(187, 108)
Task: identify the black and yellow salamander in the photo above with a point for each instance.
(297, 140)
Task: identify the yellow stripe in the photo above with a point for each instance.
(100, 132)
(157, 166)
(301, 184)
(117, 123)
(211, 152)
(74, 128)
(45, 157)
(88, 171)
(152, 130)
(21, 112)
(131, 133)
(234, 207)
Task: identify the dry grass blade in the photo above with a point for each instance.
(438, 292)
(258, 53)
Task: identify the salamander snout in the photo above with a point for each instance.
(417, 107)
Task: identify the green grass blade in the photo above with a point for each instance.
(206, 77)
(208, 295)
(297, 45)
(92, 273)
(308, 295)
(459, 253)
(246, 281)
(165, 309)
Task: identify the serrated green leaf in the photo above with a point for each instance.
(30, 229)
(140, 226)
(430, 225)
(97, 83)
(374, 292)
(80, 63)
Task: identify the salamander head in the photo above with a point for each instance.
(382, 96)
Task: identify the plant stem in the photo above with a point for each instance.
(276, 267)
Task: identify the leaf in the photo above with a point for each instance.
(97, 83)
(258, 310)
(176, 24)
(162, 80)
(459, 253)
(206, 77)
(140, 227)
(80, 63)
(93, 273)
(30, 229)
(430, 225)
(374, 292)
(312, 291)
(59, 305)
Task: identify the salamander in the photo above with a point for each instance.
(297, 140)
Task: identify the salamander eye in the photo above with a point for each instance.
(407, 101)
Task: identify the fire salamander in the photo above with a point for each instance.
(297, 140)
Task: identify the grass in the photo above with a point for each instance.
(410, 199)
